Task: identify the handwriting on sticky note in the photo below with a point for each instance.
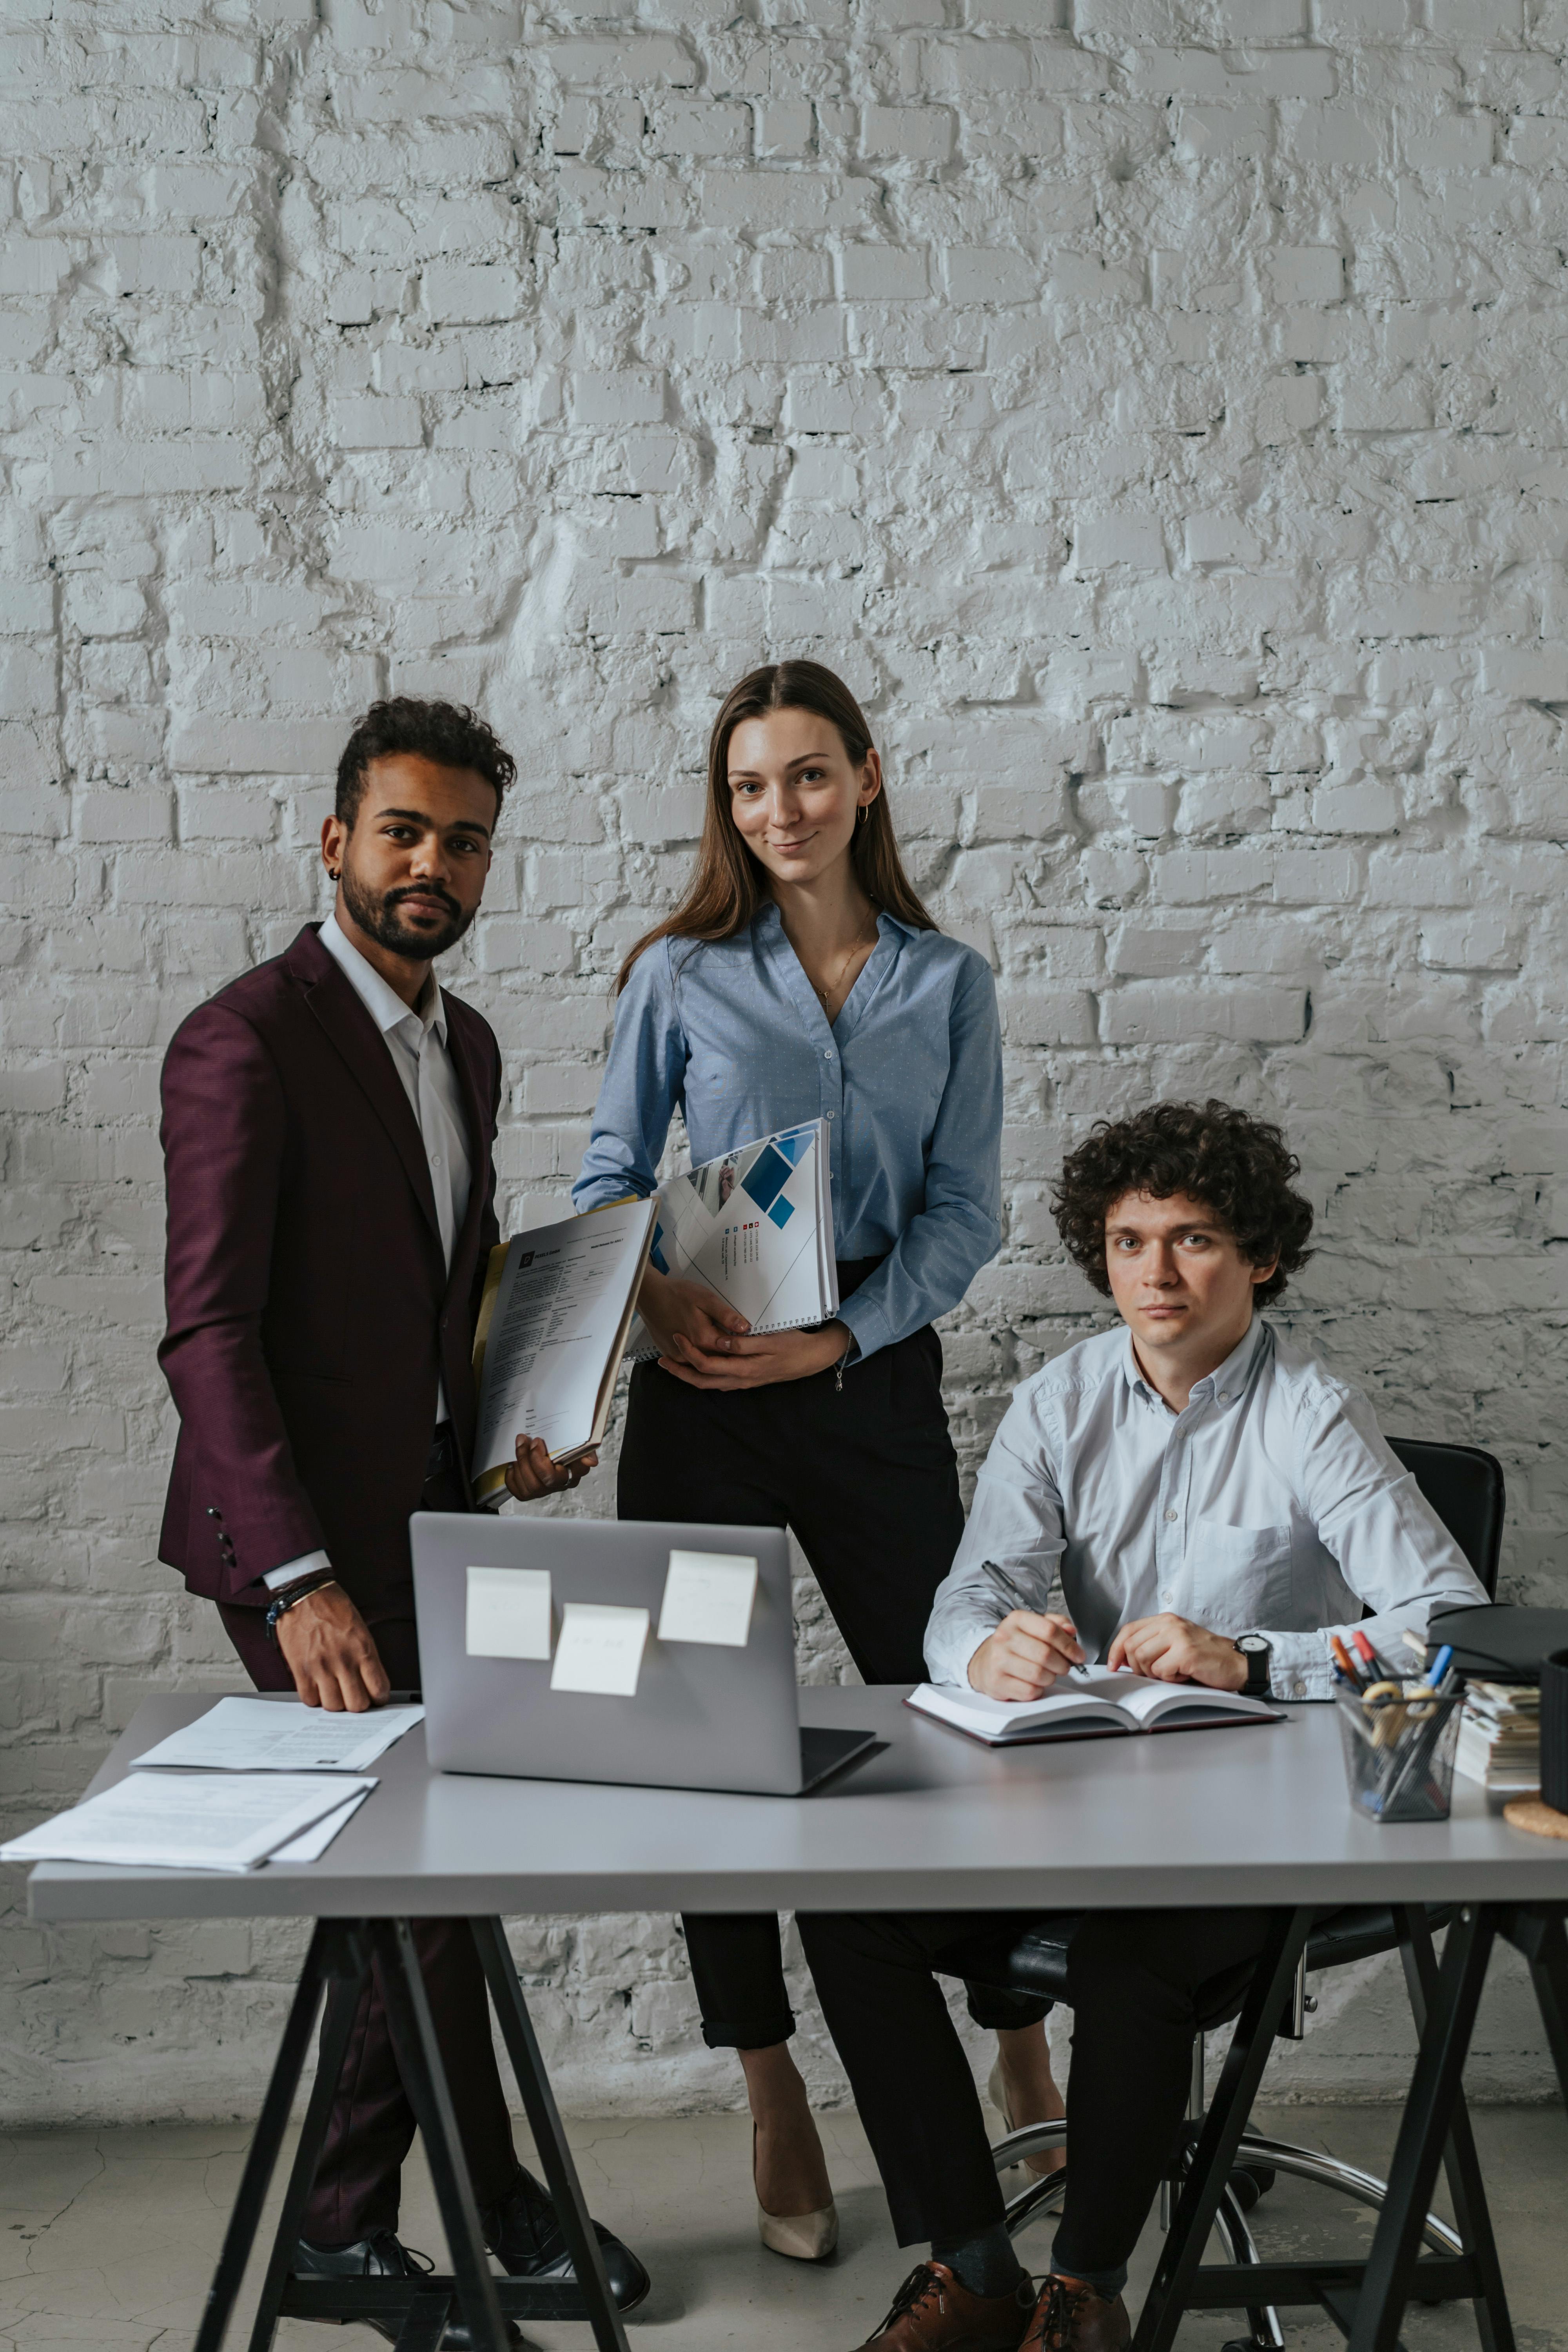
(599, 1649)
(709, 1597)
(509, 1612)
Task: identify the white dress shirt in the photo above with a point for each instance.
(1272, 1504)
(416, 1037)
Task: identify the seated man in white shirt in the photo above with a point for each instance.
(1191, 1496)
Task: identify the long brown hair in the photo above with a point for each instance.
(728, 887)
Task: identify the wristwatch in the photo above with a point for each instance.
(292, 1594)
(1258, 1652)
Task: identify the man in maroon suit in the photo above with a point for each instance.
(328, 1127)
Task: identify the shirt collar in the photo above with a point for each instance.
(380, 998)
(1225, 1383)
(768, 915)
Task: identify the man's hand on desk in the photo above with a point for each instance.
(533, 1473)
(328, 1648)
(1027, 1653)
(1173, 1649)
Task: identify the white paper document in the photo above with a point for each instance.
(312, 1844)
(709, 1597)
(508, 1612)
(599, 1649)
(554, 1330)
(755, 1225)
(264, 1735)
(186, 1821)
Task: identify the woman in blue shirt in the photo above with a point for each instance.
(800, 978)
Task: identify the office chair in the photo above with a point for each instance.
(1463, 1487)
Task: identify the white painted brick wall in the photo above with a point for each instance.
(1155, 409)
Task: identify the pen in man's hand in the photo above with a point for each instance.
(1010, 1593)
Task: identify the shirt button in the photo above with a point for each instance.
(1171, 1517)
(827, 1114)
(827, 1053)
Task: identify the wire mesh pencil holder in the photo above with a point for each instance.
(1399, 1754)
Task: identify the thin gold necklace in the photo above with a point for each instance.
(858, 941)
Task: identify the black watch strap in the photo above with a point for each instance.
(291, 1594)
(1259, 1658)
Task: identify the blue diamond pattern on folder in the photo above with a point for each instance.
(766, 1177)
(781, 1213)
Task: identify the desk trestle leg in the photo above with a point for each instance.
(333, 1957)
(1460, 2162)
(1221, 2134)
(1427, 2133)
(549, 2139)
(339, 1960)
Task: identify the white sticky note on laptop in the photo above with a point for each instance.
(709, 1597)
(509, 1612)
(599, 1649)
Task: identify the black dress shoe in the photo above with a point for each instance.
(523, 2232)
(382, 2255)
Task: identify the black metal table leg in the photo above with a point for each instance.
(1460, 2162)
(549, 2139)
(424, 2075)
(261, 2156)
(1536, 1929)
(1424, 2130)
(1221, 2133)
(346, 1965)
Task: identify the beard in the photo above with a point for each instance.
(379, 918)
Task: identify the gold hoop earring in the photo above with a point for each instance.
(862, 813)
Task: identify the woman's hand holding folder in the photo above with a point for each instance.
(707, 1344)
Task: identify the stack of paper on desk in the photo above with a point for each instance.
(268, 1735)
(189, 1821)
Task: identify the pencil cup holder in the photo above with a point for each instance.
(1555, 1731)
(1399, 1758)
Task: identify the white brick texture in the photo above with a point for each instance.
(1152, 405)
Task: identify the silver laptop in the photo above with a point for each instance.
(703, 1716)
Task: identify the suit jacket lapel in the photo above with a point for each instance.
(365, 1054)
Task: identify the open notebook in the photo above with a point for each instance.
(1098, 1705)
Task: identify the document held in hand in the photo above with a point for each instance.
(558, 1305)
(755, 1225)
(1087, 1706)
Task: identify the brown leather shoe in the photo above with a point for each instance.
(1072, 2318)
(933, 2313)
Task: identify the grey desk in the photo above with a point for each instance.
(1227, 1817)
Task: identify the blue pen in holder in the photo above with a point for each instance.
(1399, 1754)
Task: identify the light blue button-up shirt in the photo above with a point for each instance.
(908, 1078)
(1272, 1504)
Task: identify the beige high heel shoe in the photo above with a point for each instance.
(997, 2092)
(803, 2237)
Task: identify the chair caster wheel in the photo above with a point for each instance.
(1248, 2182)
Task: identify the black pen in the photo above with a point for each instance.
(1009, 1591)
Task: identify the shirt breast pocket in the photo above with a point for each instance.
(1241, 1576)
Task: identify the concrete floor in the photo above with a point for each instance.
(109, 2237)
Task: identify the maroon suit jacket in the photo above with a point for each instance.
(310, 1310)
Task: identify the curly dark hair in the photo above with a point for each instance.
(447, 733)
(1236, 1165)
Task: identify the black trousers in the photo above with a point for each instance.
(1136, 1983)
(866, 1478)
